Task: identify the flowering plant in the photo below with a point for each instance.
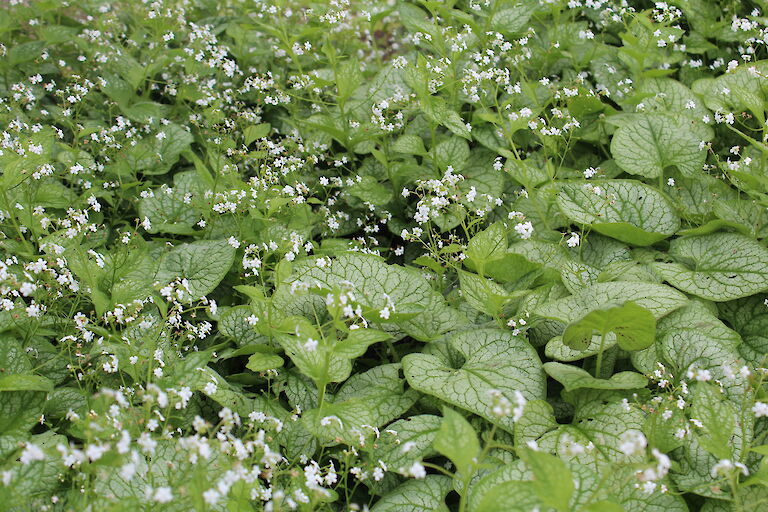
(386, 255)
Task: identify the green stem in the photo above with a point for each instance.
(438, 468)
(321, 396)
(17, 227)
(599, 363)
(737, 504)
(393, 351)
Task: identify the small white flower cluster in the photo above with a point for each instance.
(502, 407)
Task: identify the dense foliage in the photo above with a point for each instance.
(457, 255)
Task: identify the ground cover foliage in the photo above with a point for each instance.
(470, 255)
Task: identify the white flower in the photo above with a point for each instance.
(162, 495)
(725, 466)
(760, 409)
(632, 442)
(31, 453)
(329, 419)
(417, 470)
(524, 229)
(210, 388)
(573, 240)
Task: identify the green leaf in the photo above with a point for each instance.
(718, 267)
(167, 209)
(572, 377)
(487, 246)
(20, 410)
(749, 317)
(659, 299)
(604, 424)
(369, 189)
(537, 419)
(439, 112)
(503, 491)
(411, 442)
(603, 506)
(650, 143)
(552, 480)
(626, 210)
(453, 152)
(425, 495)
(458, 441)
(153, 155)
(410, 145)
(635, 498)
(348, 78)
(494, 360)
(312, 355)
(358, 341)
(25, 52)
(512, 20)
(197, 377)
(203, 264)
(22, 382)
(372, 279)
(718, 417)
(233, 323)
(257, 131)
(736, 91)
(263, 361)
(168, 465)
(693, 336)
(370, 399)
(482, 294)
(634, 327)
(415, 19)
(21, 403)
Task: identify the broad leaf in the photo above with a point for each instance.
(749, 317)
(537, 419)
(407, 441)
(605, 423)
(660, 300)
(372, 279)
(633, 326)
(169, 209)
(203, 264)
(718, 417)
(262, 361)
(358, 341)
(487, 246)
(718, 267)
(626, 210)
(552, 480)
(572, 377)
(370, 399)
(22, 382)
(650, 143)
(494, 360)
(457, 440)
(482, 294)
(425, 495)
